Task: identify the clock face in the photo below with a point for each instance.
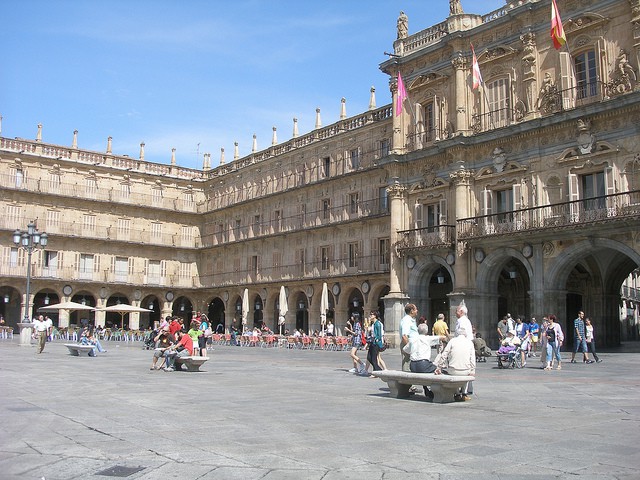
(67, 290)
(411, 262)
(365, 287)
(335, 289)
(527, 251)
(451, 259)
(169, 296)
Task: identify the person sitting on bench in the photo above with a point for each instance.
(419, 351)
(184, 348)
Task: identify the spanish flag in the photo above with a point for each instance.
(402, 95)
(475, 68)
(557, 32)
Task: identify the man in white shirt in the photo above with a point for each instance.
(419, 350)
(463, 322)
(408, 330)
(41, 327)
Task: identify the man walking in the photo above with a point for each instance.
(580, 340)
(41, 327)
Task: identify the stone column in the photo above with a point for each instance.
(537, 282)
(26, 330)
(399, 123)
(460, 65)
(529, 75)
(397, 196)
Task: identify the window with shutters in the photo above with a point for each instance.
(186, 235)
(184, 271)
(52, 221)
(121, 269)
(301, 261)
(50, 264)
(17, 175)
(425, 124)
(125, 191)
(55, 181)
(156, 232)
(383, 199)
(326, 167)
(353, 254)
(156, 197)
(430, 222)
(88, 224)
(354, 158)
(500, 209)
(354, 201)
(189, 203)
(325, 259)
(326, 209)
(154, 272)
(86, 266)
(277, 221)
(593, 191)
(586, 74)
(277, 263)
(124, 229)
(14, 216)
(499, 102)
(384, 252)
(91, 188)
(15, 257)
(384, 147)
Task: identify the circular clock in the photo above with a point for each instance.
(411, 262)
(365, 287)
(527, 251)
(169, 296)
(67, 289)
(336, 289)
(310, 291)
(450, 259)
(137, 294)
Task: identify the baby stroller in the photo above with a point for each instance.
(149, 342)
(509, 357)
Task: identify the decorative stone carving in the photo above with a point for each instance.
(586, 140)
(499, 159)
(623, 76)
(549, 99)
(403, 26)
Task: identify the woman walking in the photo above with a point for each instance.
(591, 340)
(555, 337)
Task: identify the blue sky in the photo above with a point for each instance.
(195, 75)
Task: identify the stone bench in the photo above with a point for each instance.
(192, 363)
(76, 349)
(444, 387)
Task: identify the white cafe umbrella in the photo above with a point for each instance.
(282, 302)
(71, 306)
(123, 309)
(324, 305)
(245, 306)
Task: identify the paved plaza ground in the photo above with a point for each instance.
(256, 413)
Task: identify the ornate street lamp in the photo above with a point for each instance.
(29, 240)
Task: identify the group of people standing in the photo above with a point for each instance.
(550, 336)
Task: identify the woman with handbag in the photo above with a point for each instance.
(207, 333)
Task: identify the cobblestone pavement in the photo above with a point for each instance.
(256, 413)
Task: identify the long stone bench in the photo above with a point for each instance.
(444, 387)
(192, 363)
(76, 349)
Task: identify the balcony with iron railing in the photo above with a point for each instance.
(428, 238)
(585, 213)
(97, 194)
(362, 265)
(313, 219)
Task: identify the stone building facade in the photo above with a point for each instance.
(521, 196)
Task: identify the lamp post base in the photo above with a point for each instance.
(26, 329)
